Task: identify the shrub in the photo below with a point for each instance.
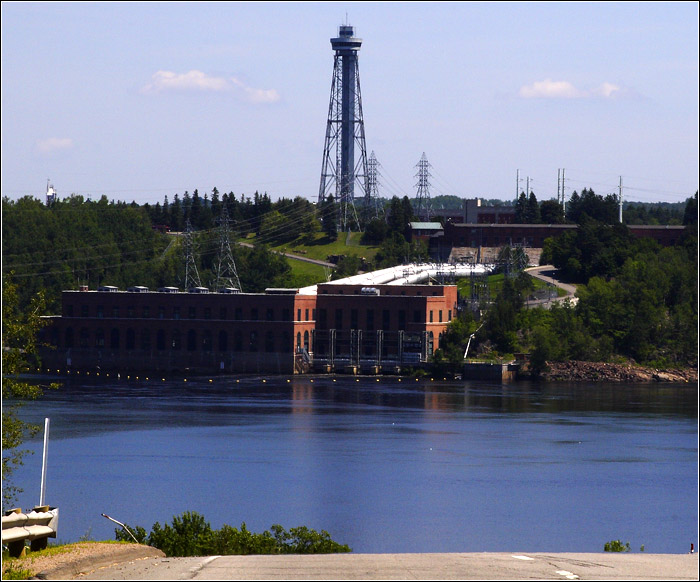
(617, 546)
(191, 535)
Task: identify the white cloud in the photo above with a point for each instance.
(53, 144)
(167, 81)
(199, 81)
(607, 90)
(256, 95)
(549, 89)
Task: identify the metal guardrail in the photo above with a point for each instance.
(36, 527)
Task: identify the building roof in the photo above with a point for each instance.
(426, 225)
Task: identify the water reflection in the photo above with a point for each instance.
(389, 466)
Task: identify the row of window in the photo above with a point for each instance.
(434, 316)
(190, 341)
(192, 312)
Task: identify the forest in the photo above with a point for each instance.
(636, 300)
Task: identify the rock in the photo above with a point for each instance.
(577, 371)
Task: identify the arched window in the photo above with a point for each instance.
(298, 339)
(100, 338)
(160, 340)
(253, 346)
(306, 340)
(191, 340)
(145, 339)
(206, 341)
(84, 337)
(114, 339)
(269, 341)
(176, 343)
(130, 339)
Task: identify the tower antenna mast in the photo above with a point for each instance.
(345, 129)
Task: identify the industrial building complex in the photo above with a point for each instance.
(380, 322)
(374, 323)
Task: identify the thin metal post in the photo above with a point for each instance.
(43, 462)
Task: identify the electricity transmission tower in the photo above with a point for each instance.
(372, 196)
(191, 274)
(345, 129)
(423, 185)
(226, 273)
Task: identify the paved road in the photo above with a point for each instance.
(296, 257)
(484, 566)
(548, 274)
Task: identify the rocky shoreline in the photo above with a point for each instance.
(576, 371)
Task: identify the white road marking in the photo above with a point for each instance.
(522, 557)
(568, 575)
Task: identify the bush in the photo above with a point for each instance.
(617, 546)
(191, 535)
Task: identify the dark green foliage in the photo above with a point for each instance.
(551, 212)
(191, 535)
(653, 213)
(19, 346)
(399, 215)
(396, 250)
(347, 267)
(592, 250)
(376, 232)
(616, 546)
(328, 211)
(690, 216)
(77, 241)
(589, 205)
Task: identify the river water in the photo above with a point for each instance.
(394, 465)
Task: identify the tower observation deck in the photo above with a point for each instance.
(344, 130)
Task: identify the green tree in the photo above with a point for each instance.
(19, 355)
(551, 212)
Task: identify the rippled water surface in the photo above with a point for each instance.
(384, 466)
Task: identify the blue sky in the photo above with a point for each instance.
(142, 100)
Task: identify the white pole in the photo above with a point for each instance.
(43, 463)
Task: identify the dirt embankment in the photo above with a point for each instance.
(73, 560)
(575, 371)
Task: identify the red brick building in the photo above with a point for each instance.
(272, 332)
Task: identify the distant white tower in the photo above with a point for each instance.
(50, 193)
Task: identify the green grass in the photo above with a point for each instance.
(321, 247)
(305, 274)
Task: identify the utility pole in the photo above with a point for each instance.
(620, 198)
(563, 200)
(559, 186)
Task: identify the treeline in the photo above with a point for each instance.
(635, 301)
(606, 209)
(77, 241)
